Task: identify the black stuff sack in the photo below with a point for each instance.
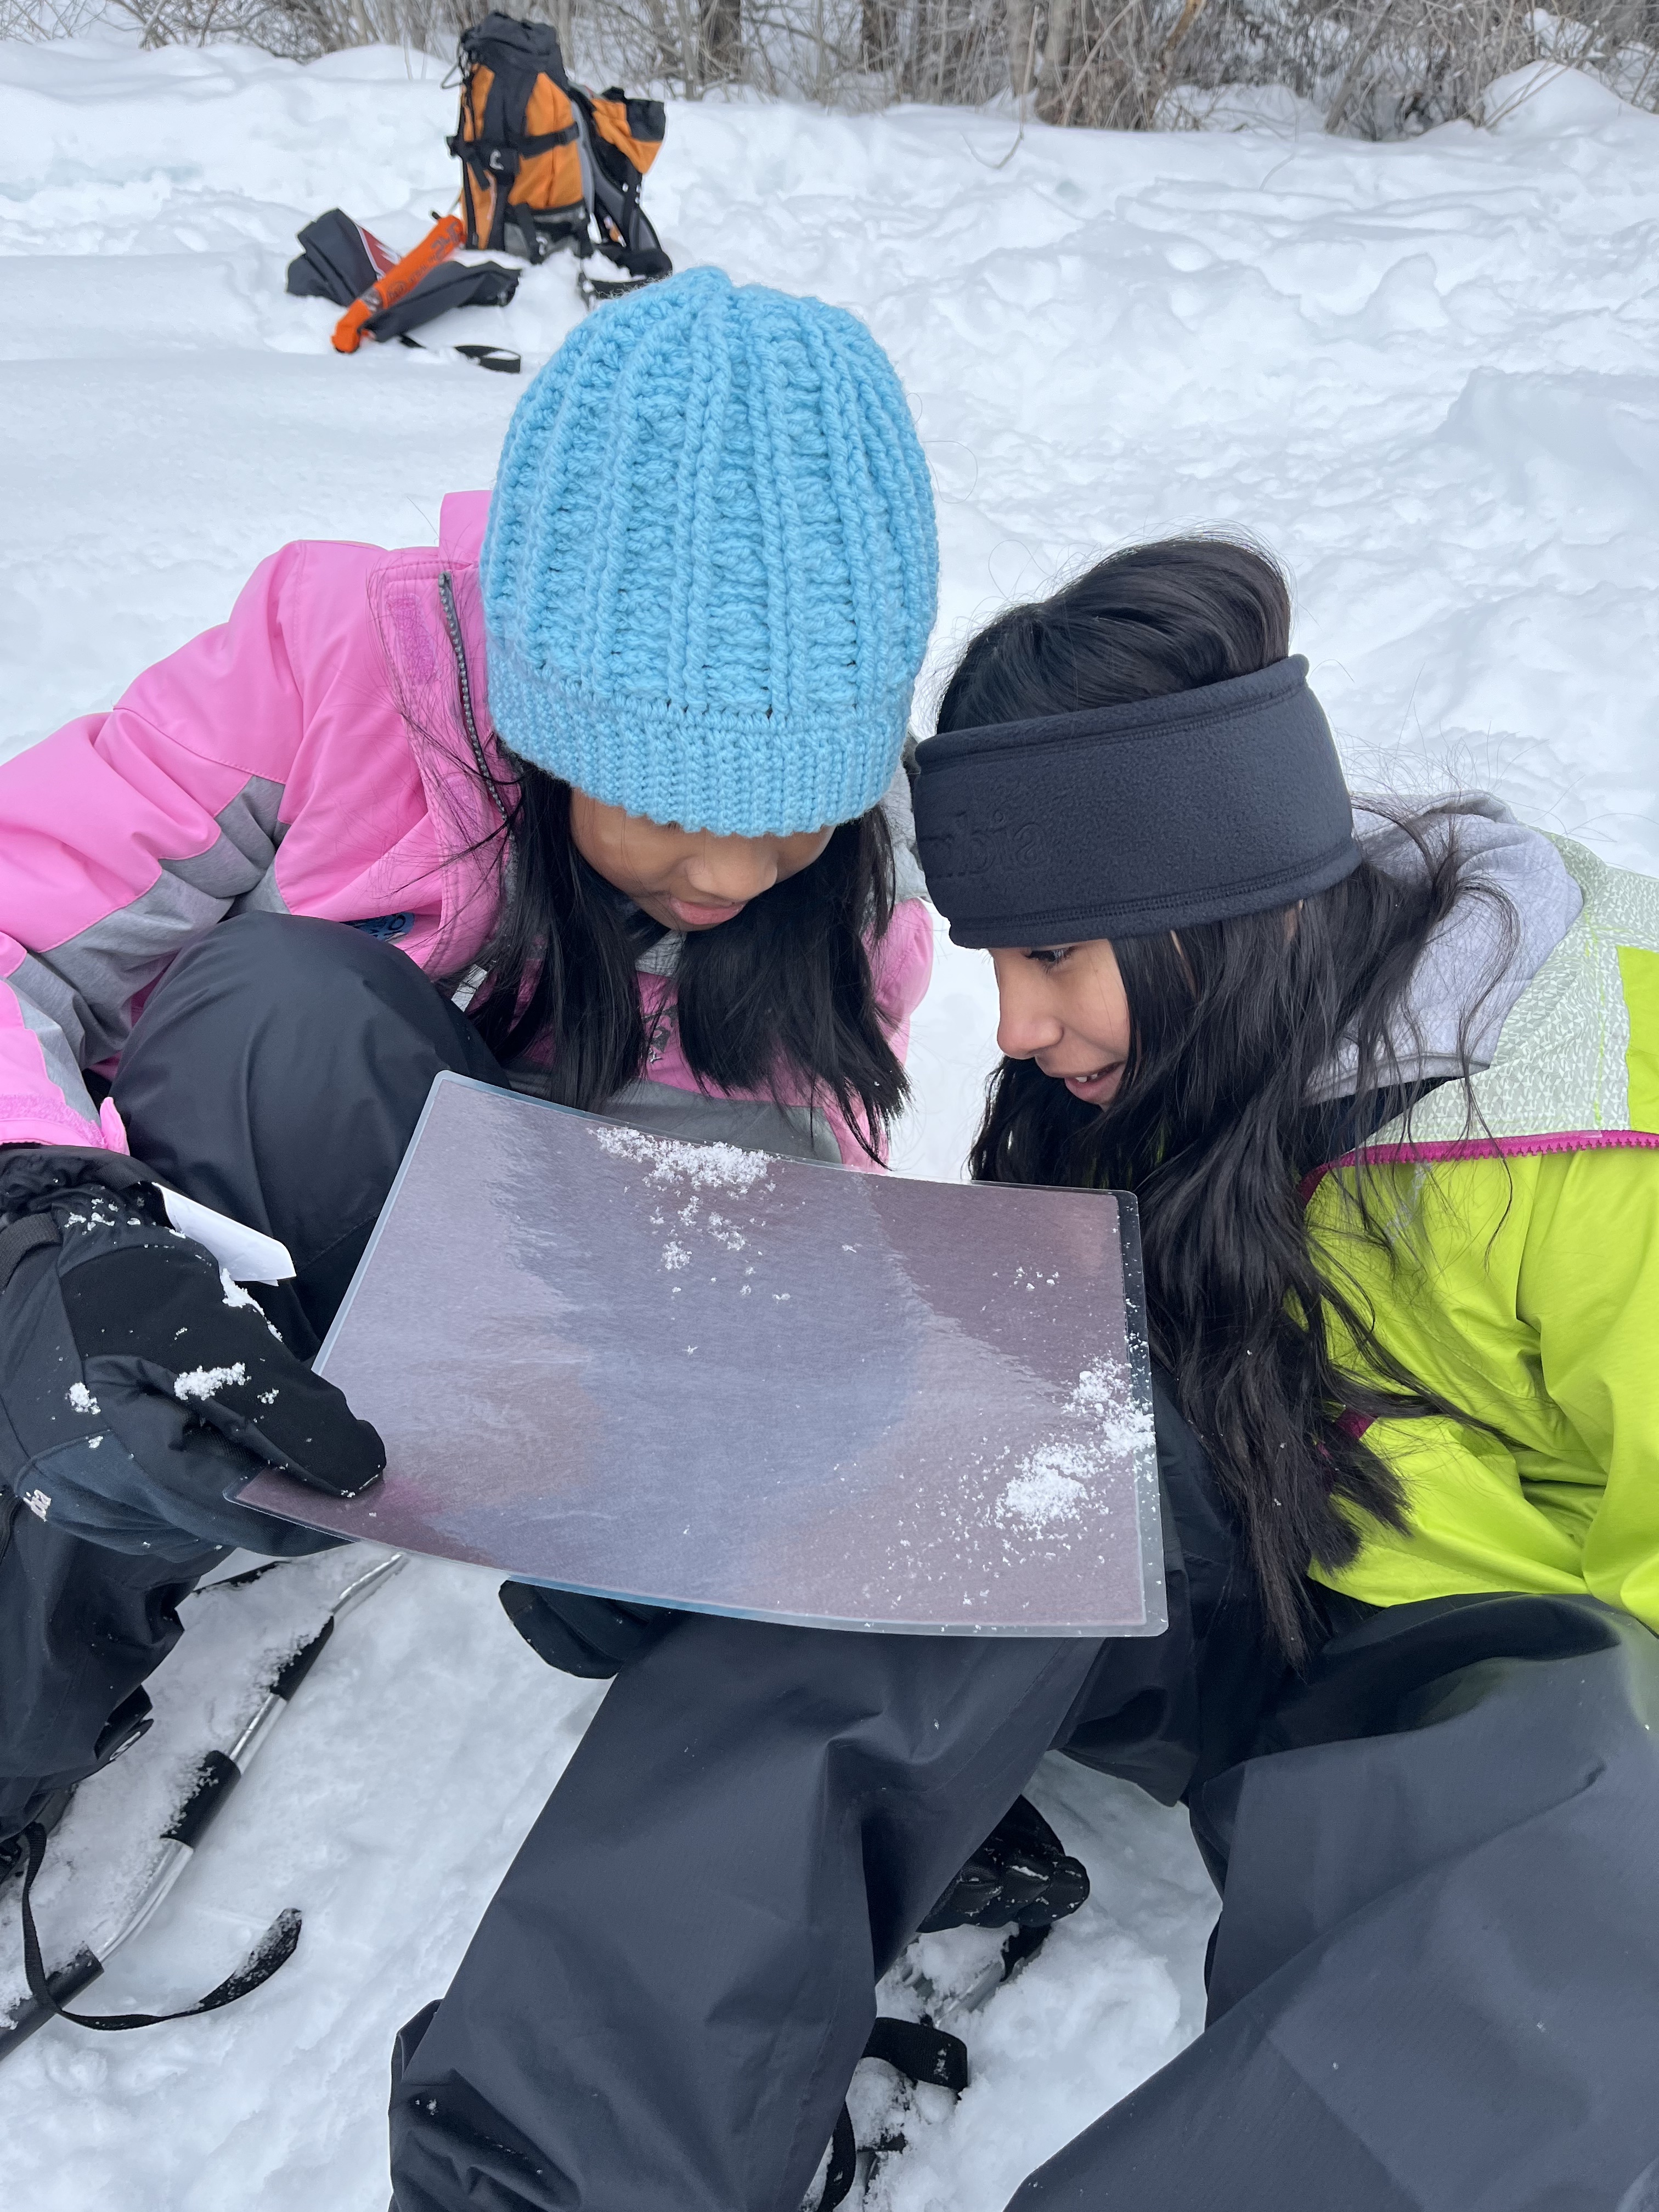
(340, 260)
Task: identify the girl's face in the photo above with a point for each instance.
(684, 879)
(1064, 1006)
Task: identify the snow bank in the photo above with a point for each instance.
(1422, 372)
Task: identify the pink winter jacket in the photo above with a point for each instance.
(310, 757)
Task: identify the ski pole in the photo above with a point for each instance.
(399, 282)
(221, 1771)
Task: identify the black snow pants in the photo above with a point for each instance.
(276, 1073)
(1436, 1979)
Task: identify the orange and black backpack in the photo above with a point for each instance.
(543, 159)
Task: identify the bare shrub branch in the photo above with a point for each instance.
(1374, 68)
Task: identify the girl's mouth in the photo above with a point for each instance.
(1096, 1087)
(702, 917)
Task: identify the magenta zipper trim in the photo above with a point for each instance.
(1485, 1148)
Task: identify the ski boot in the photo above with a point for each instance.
(14, 1849)
(131, 1719)
(1020, 1878)
(1020, 1874)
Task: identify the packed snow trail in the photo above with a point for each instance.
(1421, 373)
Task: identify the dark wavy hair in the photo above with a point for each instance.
(782, 990)
(1233, 1025)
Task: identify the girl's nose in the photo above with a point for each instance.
(1026, 1023)
(729, 871)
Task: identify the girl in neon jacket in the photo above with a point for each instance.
(1386, 1085)
(1407, 1693)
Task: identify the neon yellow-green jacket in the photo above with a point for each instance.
(1524, 1285)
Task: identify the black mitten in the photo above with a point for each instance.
(138, 1384)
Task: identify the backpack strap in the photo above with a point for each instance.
(543, 142)
(484, 202)
(497, 141)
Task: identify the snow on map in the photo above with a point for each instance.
(1423, 373)
(670, 1162)
(1051, 1483)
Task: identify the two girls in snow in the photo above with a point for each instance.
(619, 773)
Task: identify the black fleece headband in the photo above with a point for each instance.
(1127, 821)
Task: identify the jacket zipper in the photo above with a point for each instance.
(456, 646)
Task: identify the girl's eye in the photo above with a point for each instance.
(1049, 956)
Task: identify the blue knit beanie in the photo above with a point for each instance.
(710, 570)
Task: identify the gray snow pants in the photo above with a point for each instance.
(1435, 1985)
(1436, 1979)
(1435, 1982)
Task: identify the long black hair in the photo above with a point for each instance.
(784, 990)
(1233, 1026)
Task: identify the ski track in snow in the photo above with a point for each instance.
(1423, 373)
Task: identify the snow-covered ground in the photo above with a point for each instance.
(1423, 373)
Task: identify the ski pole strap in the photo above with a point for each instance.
(501, 359)
(843, 2162)
(274, 1949)
(921, 2053)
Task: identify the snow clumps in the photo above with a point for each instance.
(204, 1381)
(705, 1167)
(1053, 1480)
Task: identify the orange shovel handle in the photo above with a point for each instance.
(399, 282)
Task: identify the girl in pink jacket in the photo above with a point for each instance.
(602, 798)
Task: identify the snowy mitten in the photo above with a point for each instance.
(138, 1384)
